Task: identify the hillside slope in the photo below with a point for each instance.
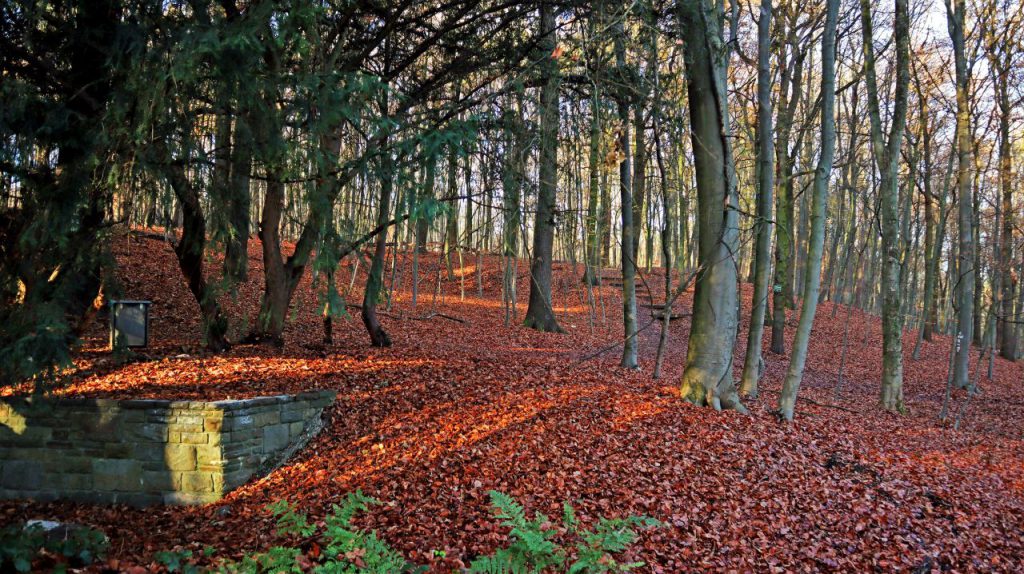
(458, 407)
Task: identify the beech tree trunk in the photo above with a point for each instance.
(816, 244)
(375, 279)
(592, 259)
(1005, 329)
(791, 66)
(753, 362)
(955, 15)
(708, 378)
(887, 153)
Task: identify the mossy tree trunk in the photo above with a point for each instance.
(887, 154)
(708, 378)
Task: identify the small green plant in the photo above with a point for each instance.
(345, 549)
(176, 561)
(535, 546)
(335, 546)
(21, 546)
(290, 522)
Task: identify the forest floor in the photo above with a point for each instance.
(455, 409)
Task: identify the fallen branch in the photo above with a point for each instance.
(402, 317)
(442, 315)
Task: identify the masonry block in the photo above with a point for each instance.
(143, 451)
(180, 456)
(116, 475)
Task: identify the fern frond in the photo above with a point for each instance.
(569, 519)
(508, 510)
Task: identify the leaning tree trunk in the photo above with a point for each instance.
(708, 378)
(540, 314)
(375, 278)
(191, 252)
(795, 373)
(282, 276)
(753, 362)
(277, 281)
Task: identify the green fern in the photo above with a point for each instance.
(611, 535)
(350, 550)
(533, 548)
(535, 545)
(289, 521)
(277, 560)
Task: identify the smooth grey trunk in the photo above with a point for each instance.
(667, 241)
(708, 378)
(512, 183)
(790, 80)
(927, 325)
(592, 259)
(753, 363)
(1000, 51)
(955, 16)
(816, 241)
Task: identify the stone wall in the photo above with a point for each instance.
(144, 452)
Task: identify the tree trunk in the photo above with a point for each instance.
(955, 15)
(512, 183)
(753, 362)
(375, 277)
(282, 276)
(191, 252)
(1006, 334)
(708, 378)
(887, 154)
(451, 235)
(539, 314)
(931, 266)
(816, 245)
(791, 76)
(238, 202)
(629, 243)
(592, 259)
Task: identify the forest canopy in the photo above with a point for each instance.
(835, 151)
